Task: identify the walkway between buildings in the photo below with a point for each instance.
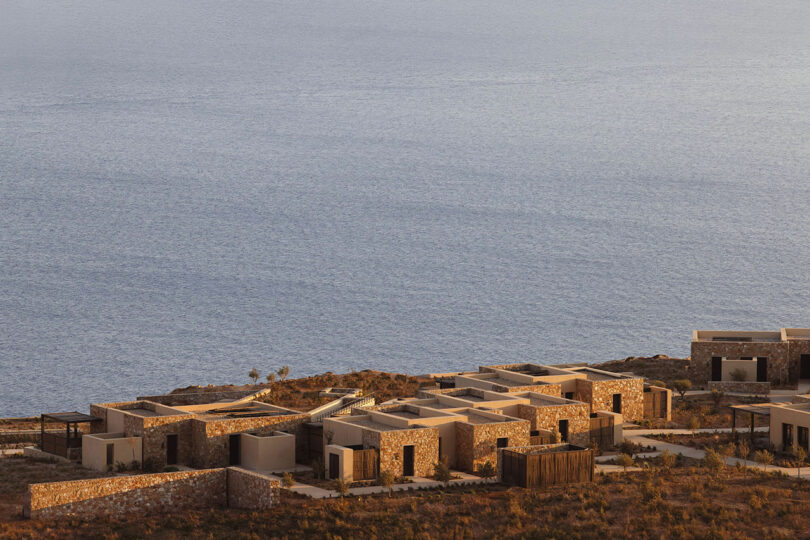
(417, 483)
(697, 453)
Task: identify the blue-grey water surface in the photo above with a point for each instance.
(191, 189)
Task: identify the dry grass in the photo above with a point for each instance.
(302, 394)
(658, 367)
(686, 502)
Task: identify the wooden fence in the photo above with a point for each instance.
(365, 464)
(564, 466)
(543, 437)
(602, 431)
(655, 404)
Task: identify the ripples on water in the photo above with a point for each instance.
(189, 190)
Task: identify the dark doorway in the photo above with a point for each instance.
(563, 429)
(617, 403)
(762, 369)
(787, 436)
(804, 366)
(334, 466)
(234, 450)
(802, 437)
(110, 454)
(717, 368)
(569, 395)
(171, 449)
(407, 461)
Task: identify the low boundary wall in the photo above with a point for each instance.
(119, 496)
(742, 387)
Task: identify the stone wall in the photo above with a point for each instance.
(601, 396)
(477, 443)
(210, 439)
(577, 414)
(748, 387)
(389, 444)
(154, 430)
(250, 490)
(780, 370)
(127, 495)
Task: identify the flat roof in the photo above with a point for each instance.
(763, 409)
(71, 417)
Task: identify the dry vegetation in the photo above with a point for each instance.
(302, 393)
(659, 367)
(686, 502)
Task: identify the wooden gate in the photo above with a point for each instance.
(655, 404)
(365, 464)
(562, 465)
(602, 431)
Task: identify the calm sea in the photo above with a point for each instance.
(192, 189)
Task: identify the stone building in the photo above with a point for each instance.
(200, 435)
(770, 358)
(601, 390)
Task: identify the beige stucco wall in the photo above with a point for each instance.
(343, 433)
(346, 457)
(783, 415)
(273, 453)
(125, 450)
(749, 367)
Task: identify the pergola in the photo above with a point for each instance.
(761, 409)
(59, 444)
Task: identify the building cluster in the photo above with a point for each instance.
(463, 421)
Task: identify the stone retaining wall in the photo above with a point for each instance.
(121, 496)
(741, 387)
(250, 490)
(127, 495)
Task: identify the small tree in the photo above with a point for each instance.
(742, 453)
(727, 451)
(801, 456)
(668, 459)
(738, 375)
(682, 386)
(318, 467)
(555, 436)
(342, 487)
(387, 480)
(283, 372)
(254, 374)
(713, 461)
(694, 424)
(764, 457)
(271, 377)
(441, 472)
(287, 480)
(624, 460)
(717, 397)
(487, 470)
